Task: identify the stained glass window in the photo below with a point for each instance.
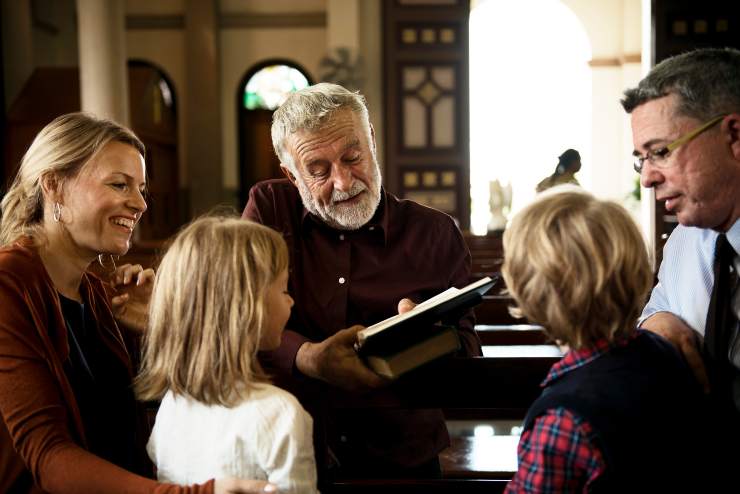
(269, 87)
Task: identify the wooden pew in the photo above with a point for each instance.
(511, 334)
(417, 486)
(473, 388)
(494, 309)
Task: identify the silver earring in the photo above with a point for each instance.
(57, 212)
(112, 261)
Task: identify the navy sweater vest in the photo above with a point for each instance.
(648, 414)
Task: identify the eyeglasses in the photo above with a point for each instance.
(658, 156)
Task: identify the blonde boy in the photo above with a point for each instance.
(614, 411)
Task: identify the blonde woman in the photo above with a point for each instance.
(70, 420)
(219, 416)
(615, 414)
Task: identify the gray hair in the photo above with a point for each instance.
(309, 109)
(60, 150)
(706, 82)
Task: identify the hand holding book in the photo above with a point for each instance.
(410, 338)
(334, 361)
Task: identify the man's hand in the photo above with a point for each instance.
(685, 339)
(335, 361)
(405, 305)
(236, 486)
(133, 287)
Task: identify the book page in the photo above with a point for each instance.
(436, 298)
(444, 296)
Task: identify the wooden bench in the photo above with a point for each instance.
(511, 334)
(494, 309)
(416, 486)
(481, 389)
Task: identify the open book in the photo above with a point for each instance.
(397, 336)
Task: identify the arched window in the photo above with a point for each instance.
(270, 85)
(263, 88)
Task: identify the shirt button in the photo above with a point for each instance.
(372, 228)
(341, 236)
(342, 280)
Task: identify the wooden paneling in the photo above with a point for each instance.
(680, 26)
(426, 107)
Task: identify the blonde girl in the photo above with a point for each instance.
(219, 297)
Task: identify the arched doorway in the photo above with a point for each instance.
(530, 97)
(153, 108)
(264, 87)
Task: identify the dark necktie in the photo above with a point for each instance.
(722, 341)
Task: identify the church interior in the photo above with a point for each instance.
(471, 101)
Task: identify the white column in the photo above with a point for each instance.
(202, 106)
(103, 70)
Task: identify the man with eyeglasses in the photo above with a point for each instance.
(686, 135)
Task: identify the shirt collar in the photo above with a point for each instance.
(733, 236)
(575, 359)
(378, 223)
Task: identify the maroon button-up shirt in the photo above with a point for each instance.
(341, 278)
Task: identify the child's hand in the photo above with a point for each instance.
(133, 287)
(237, 486)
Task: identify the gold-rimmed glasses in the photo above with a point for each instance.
(658, 156)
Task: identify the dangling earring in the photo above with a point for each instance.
(112, 260)
(57, 212)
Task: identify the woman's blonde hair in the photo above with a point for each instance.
(578, 266)
(60, 150)
(207, 311)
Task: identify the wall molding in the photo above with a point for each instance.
(624, 59)
(230, 21)
(137, 22)
(241, 21)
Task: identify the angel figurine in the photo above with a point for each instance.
(499, 203)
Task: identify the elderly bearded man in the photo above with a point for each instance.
(358, 255)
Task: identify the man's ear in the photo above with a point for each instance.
(731, 126)
(372, 139)
(288, 174)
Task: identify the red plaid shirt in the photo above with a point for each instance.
(559, 453)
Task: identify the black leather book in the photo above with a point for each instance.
(396, 337)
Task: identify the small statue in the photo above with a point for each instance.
(499, 204)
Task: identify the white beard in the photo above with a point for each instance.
(338, 215)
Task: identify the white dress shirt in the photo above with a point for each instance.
(267, 437)
(686, 275)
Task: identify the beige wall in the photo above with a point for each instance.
(241, 49)
(614, 30)
(371, 50)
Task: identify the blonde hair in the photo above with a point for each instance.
(60, 150)
(207, 311)
(578, 266)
